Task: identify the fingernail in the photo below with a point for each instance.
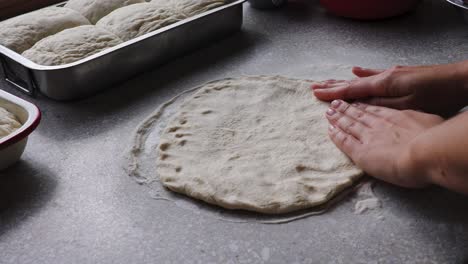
(355, 104)
(331, 111)
(331, 127)
(336, 103)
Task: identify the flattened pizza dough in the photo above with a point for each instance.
(254, 143)
(22, 32)
(71, 45)
(94, 10)
(190, 7)
(136, 20)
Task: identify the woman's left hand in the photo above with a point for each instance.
(437, 89)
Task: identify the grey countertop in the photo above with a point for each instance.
(70, 201)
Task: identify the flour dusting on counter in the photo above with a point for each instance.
(367, 200)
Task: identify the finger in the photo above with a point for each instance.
(378, 111)
(346, 124)
(371, 109)
(363, 72)
(344, 141)
(326, 84)
(350, 90)
(329, 93)
(353, 112)
(335, 84)
(387, 116)
(400, 103)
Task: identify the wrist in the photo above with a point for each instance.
(460, 74)
(416, 164)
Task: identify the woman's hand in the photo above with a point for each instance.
(439, 89)
(377, 139)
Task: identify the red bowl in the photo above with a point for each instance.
(369, 9)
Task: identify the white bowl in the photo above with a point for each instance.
(13, 145)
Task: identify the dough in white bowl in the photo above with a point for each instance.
(255, 143)
(190, 8)
(9, 123)
(71, 45)
(97, 9)
(136, 20)
(22, 32)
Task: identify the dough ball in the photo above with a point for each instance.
(71, 45)
(22, 32)
(190, 8)
(97, 9)
(9, 123)
(136, 20)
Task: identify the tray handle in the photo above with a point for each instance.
(28, 87)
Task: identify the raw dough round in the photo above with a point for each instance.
(22, 32)
(71, 45)
(254, 143)
(97, 9)
(136, 20)
(190, 7)
(9, 123)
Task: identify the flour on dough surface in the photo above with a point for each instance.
(190, 7)
(9, 123)
(71, 45)
(94, 10)
(253, 143)
(22, 32)
(136, 20)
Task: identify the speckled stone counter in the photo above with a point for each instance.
(70, 201)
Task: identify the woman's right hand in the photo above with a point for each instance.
(438, 89)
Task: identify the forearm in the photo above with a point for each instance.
(449, 93)
(441, 154)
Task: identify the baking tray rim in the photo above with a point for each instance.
(34, 66)
(461, 5)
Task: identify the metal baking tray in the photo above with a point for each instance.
(114, 65)
(462, 6)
